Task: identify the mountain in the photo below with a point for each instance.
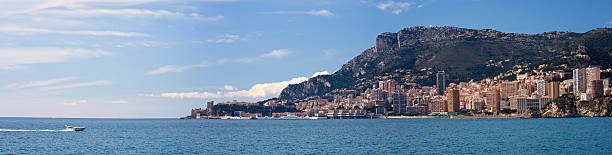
(413, 55)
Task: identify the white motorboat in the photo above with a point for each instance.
(290, 116)
(317, 117)
(72, 128)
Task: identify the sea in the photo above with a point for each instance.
(340, 136)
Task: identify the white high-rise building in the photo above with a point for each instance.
(542, 88)
(592, 74)
(579, 81)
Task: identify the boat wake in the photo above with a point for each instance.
(18, 130)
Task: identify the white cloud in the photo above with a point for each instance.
(257, 91)
(231, 36)
(119, 102)
(384, 6)
(223, 40)
(227, 39)
(142, 44)
(182, 95)
(75, 103)
(28, 6)
(397, 12)
(326, 13)
(394, 7)
(325, 72)
(66, 16)
(263, 90)
(210, 18)
(272, 54)
(177, 69)
(146, 95)
(24, 30)
(99, 12)
(40, 83)
(14, 58)
(276, 53)
(320, 13)
(172, 68)
(54, 22)
(77, 85)
(124, 13)
(610, 22)
(228, 87)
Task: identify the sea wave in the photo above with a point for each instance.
(23, 130)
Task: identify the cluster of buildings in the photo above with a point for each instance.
(530, 90)
(201, 113)
(215, 111)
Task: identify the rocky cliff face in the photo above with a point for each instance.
(464, 54)
(568, 106)
(385, 41)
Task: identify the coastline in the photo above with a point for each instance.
(455, 117)
(381, 117)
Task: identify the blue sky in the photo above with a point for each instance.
(160, 58)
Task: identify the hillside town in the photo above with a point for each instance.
(491, 97)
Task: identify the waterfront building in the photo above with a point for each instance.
(438, 105)
(596, 89)
(579, 82)
(380, 110)
(592, 74)
(399, 102)
(553, 89)
(544, 101)
(509, 89)
(440, 83)
(453, 99)
(542, 88)
(195, 113)
(522, 104)
(443, 113)
(504, 104)
(346, 114)
(476, 103)
(210, 105)
(566, 87)
(379, 95)
(416, 110)
(512, 100)
(492, 100)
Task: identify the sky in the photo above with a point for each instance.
(161, 58)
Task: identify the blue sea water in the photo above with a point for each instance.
(358, 136)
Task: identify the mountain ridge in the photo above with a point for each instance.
(413, 54)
